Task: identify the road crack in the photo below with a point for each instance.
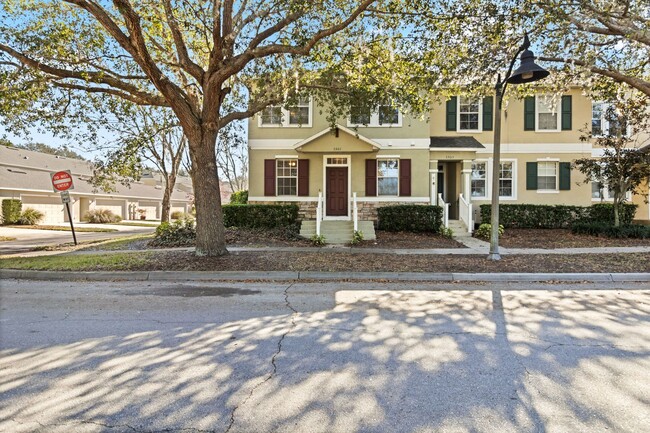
(292, 325)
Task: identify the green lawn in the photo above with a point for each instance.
(78, 262)
(67, 228)
(137, 224)
(117, 244)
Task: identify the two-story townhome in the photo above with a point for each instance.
(384, 157)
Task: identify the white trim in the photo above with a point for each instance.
(404, 143)
(548, 191)
(374, 120)
(480, 116)
(548, 159)
(349, 167)
(392, 198)
(514, 180)
(378, 156)
(286, 177)
(548, 147)
(283, 198)
(272, 144)
(456, 149)
(295, 156)
(487, 182)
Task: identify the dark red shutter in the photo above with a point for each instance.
(269, 177)
(371, 177)
(405, 177)
(303, 177)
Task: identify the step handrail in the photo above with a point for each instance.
(465, 212)
(445, 210)
(355, 212)
(319, 212)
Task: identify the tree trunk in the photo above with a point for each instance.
(170, 182)
(616, 217)
(210, 232)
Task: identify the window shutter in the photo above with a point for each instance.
(451, 114)
(269, 177)
(405, 177)
(371, 177)
(529, 114)
(566, 113)
(303, 177)
(488, 103)
(565, 176)
(531, 175)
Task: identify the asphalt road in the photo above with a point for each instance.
(324, 357)
(28, 239)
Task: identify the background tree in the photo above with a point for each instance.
(625, 162)
(232, 156)
(145, 135)
(212, 63)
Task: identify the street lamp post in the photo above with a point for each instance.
(527, 72)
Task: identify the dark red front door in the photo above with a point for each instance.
(337, 191)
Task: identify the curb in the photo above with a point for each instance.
(326, 276)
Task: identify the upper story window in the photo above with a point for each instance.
(294, 116)
(386, 115)
(469, 114)
(387, 176)
(547, 118)
(605, 121)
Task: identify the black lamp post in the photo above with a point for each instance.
(527, 72)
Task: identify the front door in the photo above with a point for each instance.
(337, 191)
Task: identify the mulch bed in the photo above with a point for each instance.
(405, 240)
(561, 238)
(328, 261)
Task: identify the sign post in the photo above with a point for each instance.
(62, 182)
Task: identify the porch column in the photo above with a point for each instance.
(466, 179)
(433, 181)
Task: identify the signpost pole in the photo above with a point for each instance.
(74, 236)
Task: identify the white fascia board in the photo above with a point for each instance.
(272, 144)
(404, 143)
(341, 128)
(539, 148)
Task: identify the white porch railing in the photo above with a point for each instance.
(445, 211)
(465, 212)
(319, 212)
(355, 211)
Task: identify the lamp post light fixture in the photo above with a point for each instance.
(527, 72)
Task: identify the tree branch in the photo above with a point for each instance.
(181, 49)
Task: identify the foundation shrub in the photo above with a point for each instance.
(239, 197)
(30, 217)
(266, 216)
(11, 210)
(607, 230)
(530, 216)
(409, 218)
(101, 216)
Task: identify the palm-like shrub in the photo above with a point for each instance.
(30, 217)
(101, 216)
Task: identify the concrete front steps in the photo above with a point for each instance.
(337, 232)
(459, 228)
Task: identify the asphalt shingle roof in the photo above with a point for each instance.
(455, 143)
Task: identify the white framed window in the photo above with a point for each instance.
(606, 122)
(299, 115)
(604, 192)
(388, 177)
(547, 176)
(547, 114)
(479, 180)
(386, 115)
(507, 179)
(286, 176)
(470, 117)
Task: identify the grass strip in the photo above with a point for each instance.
(6, 238)
(151, 224)
(81, 262)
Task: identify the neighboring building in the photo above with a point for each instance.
(25, 175)
(387, 157)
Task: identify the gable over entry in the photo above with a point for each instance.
(337, 139)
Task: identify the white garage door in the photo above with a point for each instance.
(51, 207)
(115, 206)
(150, 207)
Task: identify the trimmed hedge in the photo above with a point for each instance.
(178, 233)
(260, 215)
(409, 218)
(11, 210)
(557, 216)
(603, 229)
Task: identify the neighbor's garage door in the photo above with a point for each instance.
(151, 207)
(115, 206)
(51, 207)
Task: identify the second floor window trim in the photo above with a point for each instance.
(299, 115)
(383, 117)
(547, 111)
(470, 114)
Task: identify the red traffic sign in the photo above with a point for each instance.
(62, 181)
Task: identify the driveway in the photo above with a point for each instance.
(28, 239)
(324, 357)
